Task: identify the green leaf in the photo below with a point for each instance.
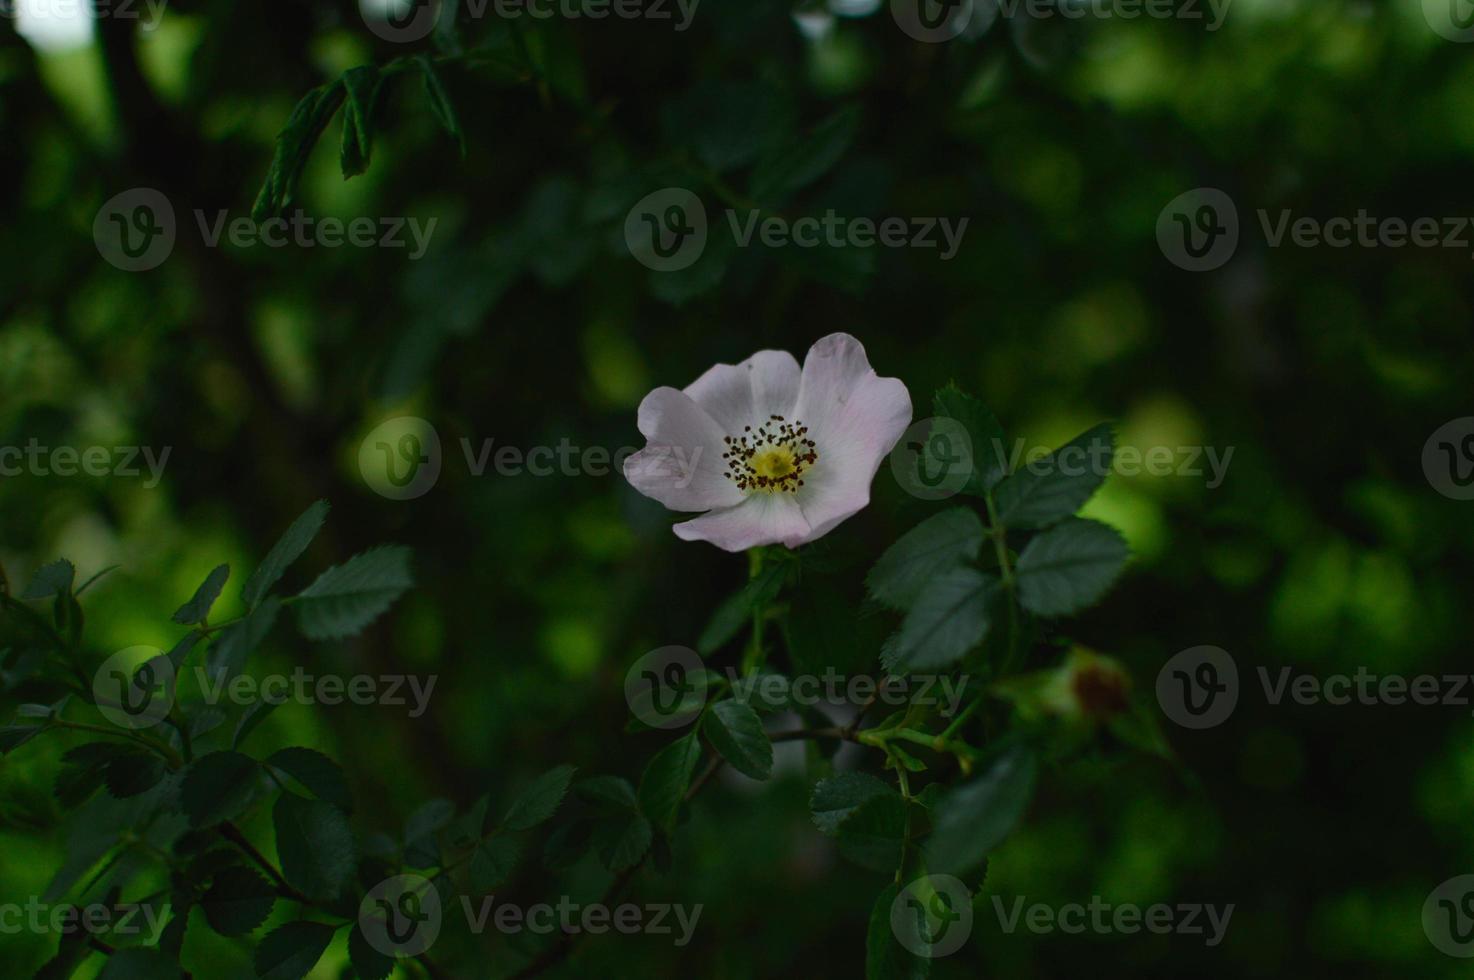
(238, 641)
(440, 104)
(607, 792)
(988, 459)
(132, 772)
(567, 845)
(237, 901)
(421, 830)
(293, 146)
(1140, 728)
(1070, 567)
(347, 597)
(315, 771)
(885, 957)
(899, 758)
(540, 800)
(492, 862)
(975, 817)
(217, 787)
(82, 769)
(736, 732)
(825, 630)
(284, 553)
(802, 161)
(664, 782)
(764, 691)
(367, 962)
(315, 844)
(249, 720)
(54, 579)
(941, 542)
(950, 617)
(679, 286)
(871, 834)
(736, 610)
(837, 797)
(1051, 489)
(197, 609)
(290, 952)
(361, 87)
(728, 123)
(13, 737)
(23, 630)
(622, 841)
(138, 963)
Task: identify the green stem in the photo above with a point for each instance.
(168, 753)
(754, 657)
(903, 779)
(961, 719)
(999, 534)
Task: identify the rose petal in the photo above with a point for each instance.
(682, 465)
(736, 395)
(762, 518)
(855, 417)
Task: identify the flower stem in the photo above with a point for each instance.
(755, 655)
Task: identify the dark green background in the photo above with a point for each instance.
(528, 322)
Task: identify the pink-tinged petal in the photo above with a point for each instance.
(744, 394)
(762, 518)
(682, 466)
(855, 417)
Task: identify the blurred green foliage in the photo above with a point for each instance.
(527, 323)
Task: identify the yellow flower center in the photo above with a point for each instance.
(773, 458)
